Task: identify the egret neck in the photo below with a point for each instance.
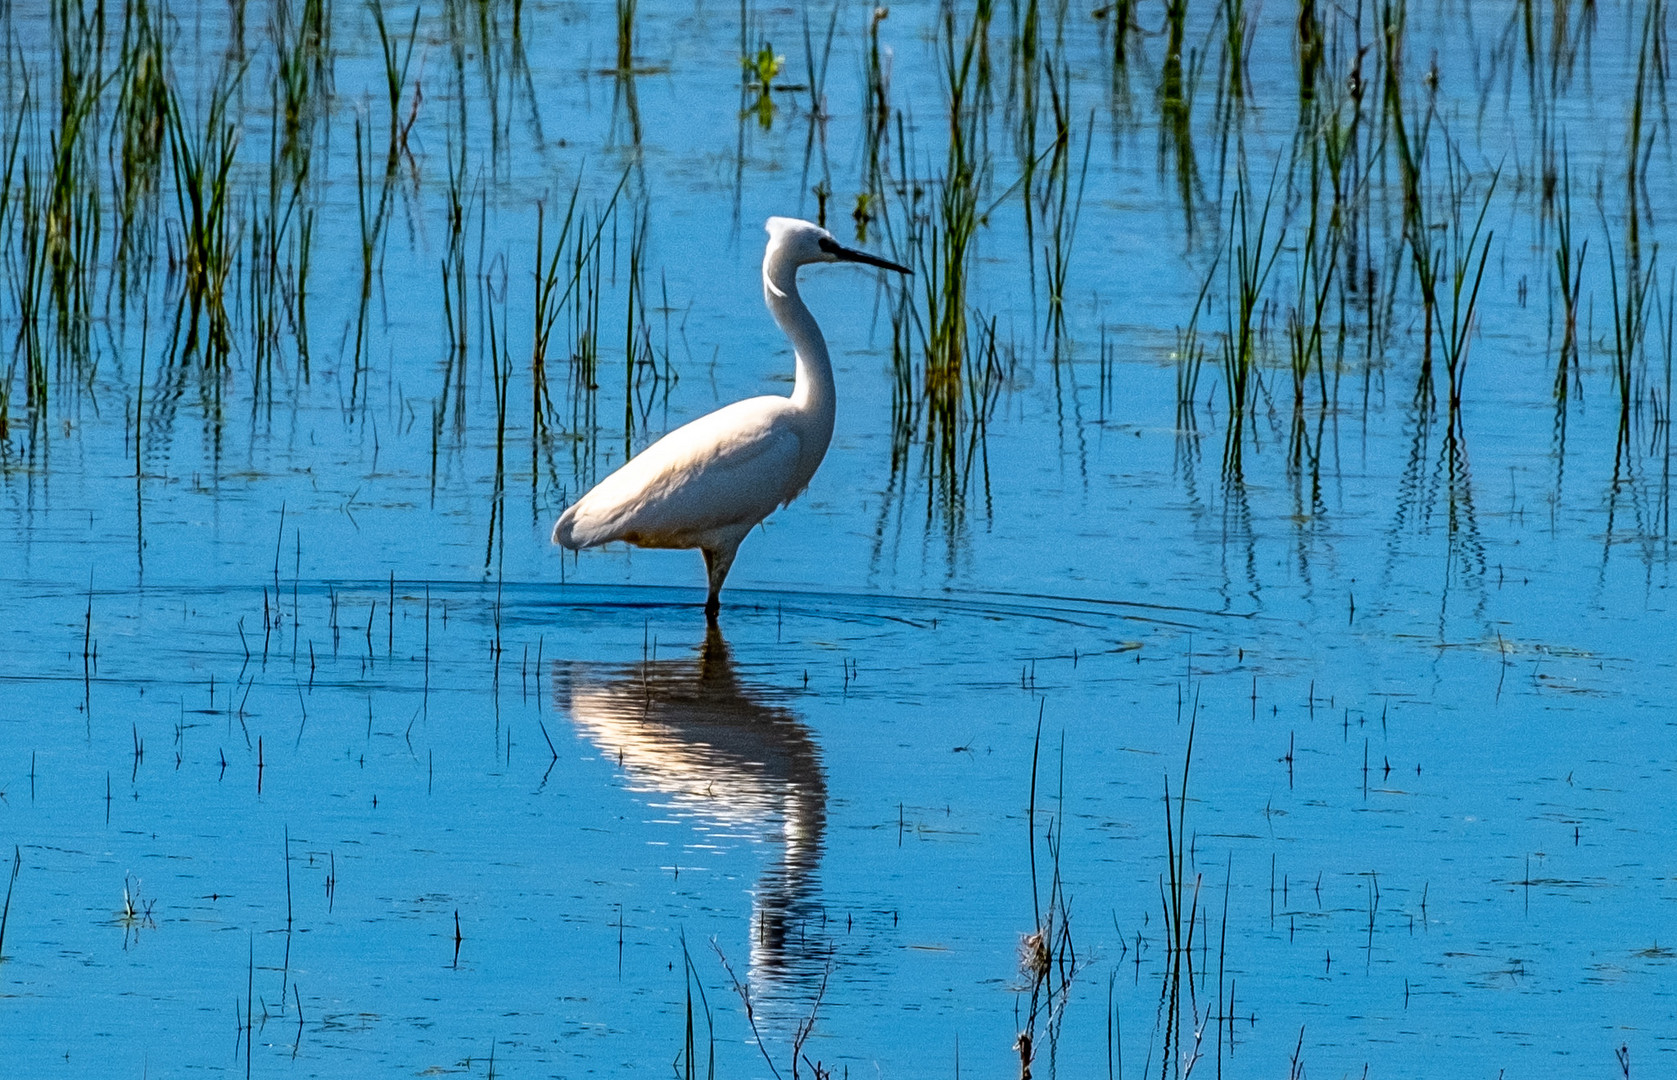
(813, 394)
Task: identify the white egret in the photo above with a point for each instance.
(706, 484)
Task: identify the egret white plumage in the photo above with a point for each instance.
(706, 484)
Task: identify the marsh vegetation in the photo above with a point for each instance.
(1280, 409)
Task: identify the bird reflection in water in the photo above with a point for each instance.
(727, 751)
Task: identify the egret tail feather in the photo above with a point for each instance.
(564, 530)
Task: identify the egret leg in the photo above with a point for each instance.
(718, 561)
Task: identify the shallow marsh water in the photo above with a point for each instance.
(319, 760)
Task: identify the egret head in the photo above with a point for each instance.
(793, 243)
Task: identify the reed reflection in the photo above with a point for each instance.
(729, 752)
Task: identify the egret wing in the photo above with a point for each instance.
(726, 470)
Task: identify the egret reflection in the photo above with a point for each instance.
(727, 751)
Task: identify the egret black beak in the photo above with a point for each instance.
(844, 254)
